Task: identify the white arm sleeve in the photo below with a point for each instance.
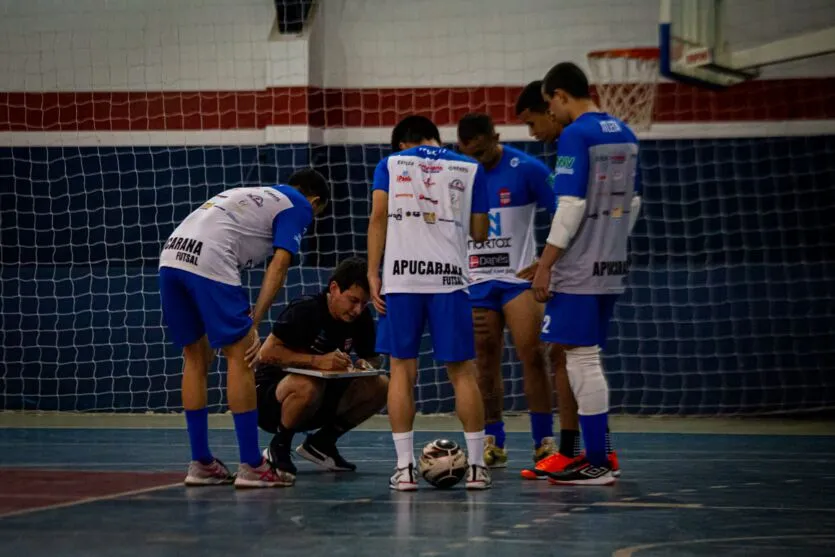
(567, 219)
(634, 211)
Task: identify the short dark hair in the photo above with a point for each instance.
(531, 99)
(413, 129)
(475, 124)
(350, 272)
(311, 184)
(568, 77)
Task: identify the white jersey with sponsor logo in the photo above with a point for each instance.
(237, 229)
(516, 186)
(432, 192)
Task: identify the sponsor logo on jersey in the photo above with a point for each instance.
(609, 126)
(429, 199)
(491, 243)
(489, 260)
(495, 224)
(620, 158)
(397, 215)
(404, 195)
(404, 178)
(298, 239)
(430, 218)
(430, 168)
(610, 268)
(504, 197)
(450, 274)
(514, 162)
(616, 212)
(403, 162)
(456, 168)
(428, 182)
(565, 165)
(457, 185)
(188, 249)
(601, 177)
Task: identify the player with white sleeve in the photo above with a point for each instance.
(585, 261)
(426, 201)
(500, 271)
(205, 308)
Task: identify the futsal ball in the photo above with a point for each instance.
(442, 463)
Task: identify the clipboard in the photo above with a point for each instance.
(348, 374)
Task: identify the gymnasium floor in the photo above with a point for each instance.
(110, 486)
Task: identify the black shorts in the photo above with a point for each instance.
(269, 408)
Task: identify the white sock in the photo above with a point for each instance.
(475, 447)
(404, 443)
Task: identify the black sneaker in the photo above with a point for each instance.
(582, 472)
(324, 454)
(279, 456)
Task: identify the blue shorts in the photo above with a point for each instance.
(450, 319)
(578, 319)
(193, 306)
(495, 294)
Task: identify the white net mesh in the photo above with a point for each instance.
(625, 81)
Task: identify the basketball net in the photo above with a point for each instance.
(626, 81)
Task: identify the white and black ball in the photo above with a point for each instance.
(442, 463)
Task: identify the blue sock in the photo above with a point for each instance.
(542, 425)
(496, 430)
(246, 429)
(197, 422)
(594, 437)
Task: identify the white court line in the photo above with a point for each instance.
(629, 551)
(86, 500)
(548, 504)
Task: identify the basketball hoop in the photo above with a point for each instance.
(626, 80)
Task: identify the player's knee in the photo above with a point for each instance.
(588, 383)
(306, 390)
(532, 357)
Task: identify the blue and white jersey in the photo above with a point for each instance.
(236, 230)
(516, 186)
(597, 160)
(432, 192)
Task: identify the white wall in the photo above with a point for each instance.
(153, 45)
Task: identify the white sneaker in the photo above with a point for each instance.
(404, 479)
(478, 477)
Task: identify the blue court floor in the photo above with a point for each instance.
(116, 492)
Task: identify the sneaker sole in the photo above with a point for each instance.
(403, 487)
(206, 482)
(256, 484)
(533, 476)
(601, 481)
(328, 464)
(479, 486)
(616, 473)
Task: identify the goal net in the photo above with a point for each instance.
(119, 118)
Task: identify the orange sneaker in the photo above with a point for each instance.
(613, 461)
(554, 463)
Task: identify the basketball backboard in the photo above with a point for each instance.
(694, 47)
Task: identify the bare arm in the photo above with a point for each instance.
(275, 352)
(479, 226)
(377, 224)
(272, 283)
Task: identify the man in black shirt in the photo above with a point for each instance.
(320, 332)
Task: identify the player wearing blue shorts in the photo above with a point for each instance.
(500, 271)
(205, 308)
(584, 264)
(426, 202)
(532, 109)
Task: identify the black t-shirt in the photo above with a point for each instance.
(307, 326)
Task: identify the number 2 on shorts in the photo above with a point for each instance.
(546, 324)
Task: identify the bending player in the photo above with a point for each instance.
(532, 109)
(500, 271)
(320, 332)
(585, 259)
(205, 307)
(426, 201)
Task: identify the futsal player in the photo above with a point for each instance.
(500, 273)
(585, 260)
(532, 109)
(320, 332)
(426, 202)
(205, 307)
